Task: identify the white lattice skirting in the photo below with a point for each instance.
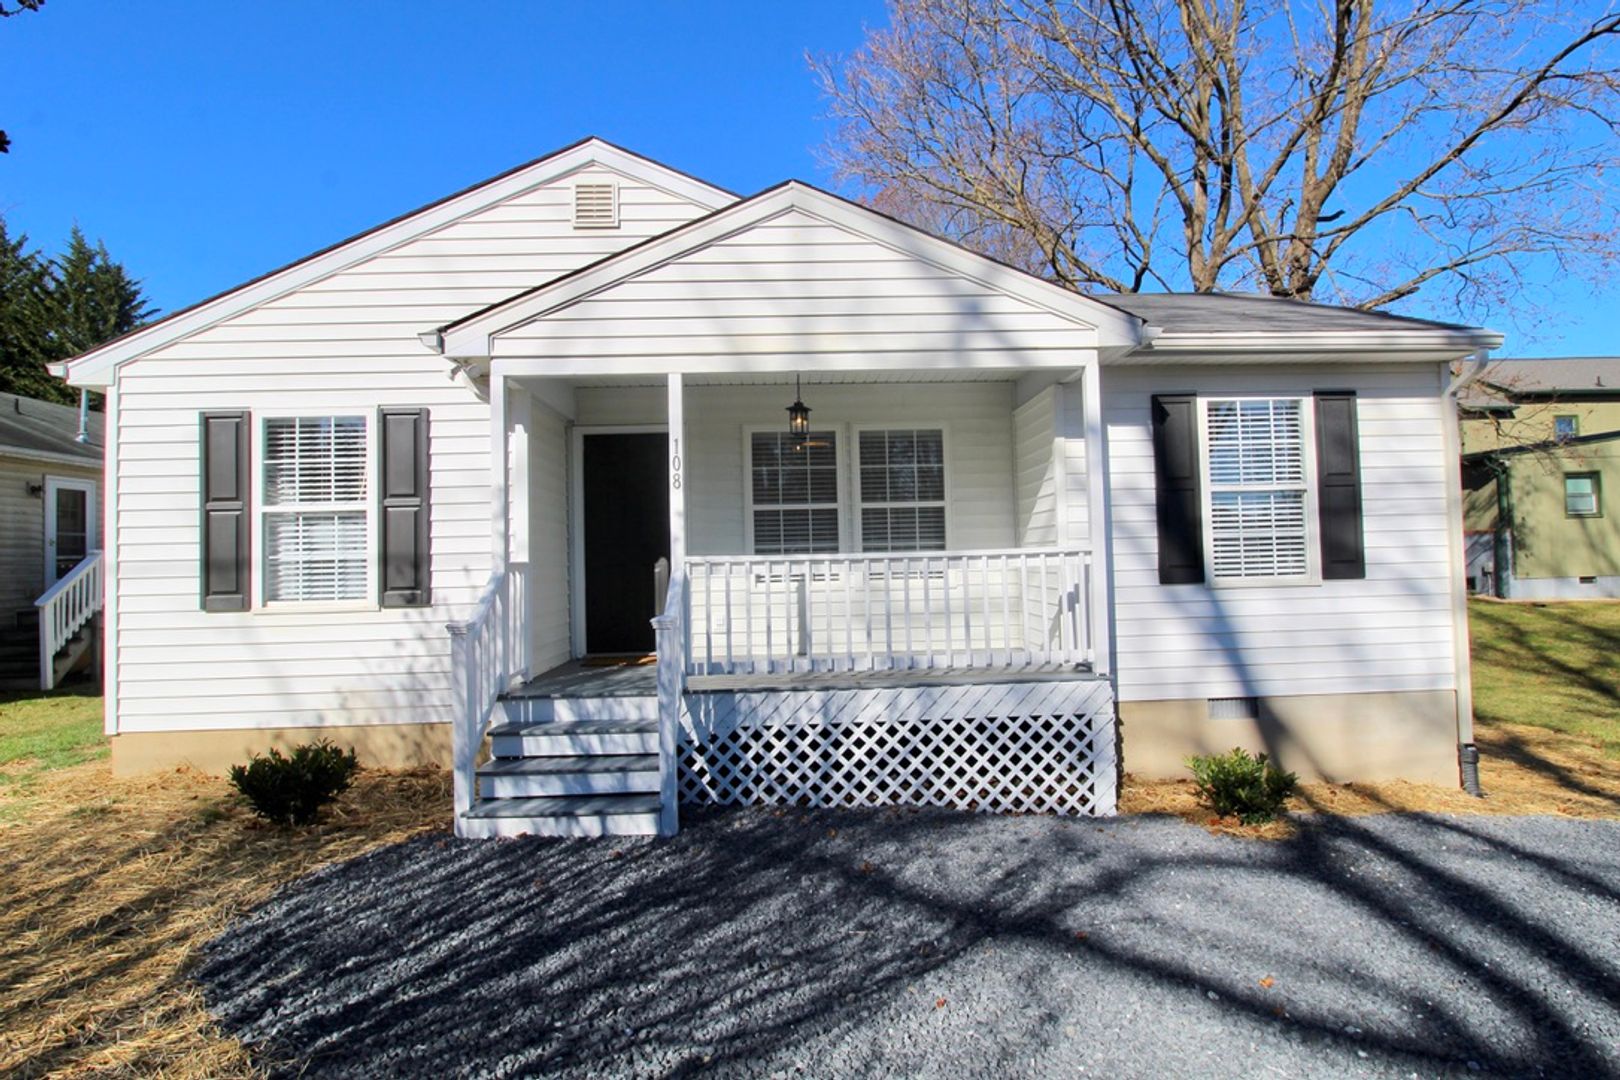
(1031, 747)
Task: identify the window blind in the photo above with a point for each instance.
(902, 490)
(1257, 486)
(795, 492)
(316, 543)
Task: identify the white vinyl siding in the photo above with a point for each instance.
(317, 528)
(978, 451)
(1257, 497)
(1035, 479)
(797, 286)
(901, 489)
(349, 343)
(1388, 632)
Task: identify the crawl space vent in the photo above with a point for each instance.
(596, 206)
(1234, 708)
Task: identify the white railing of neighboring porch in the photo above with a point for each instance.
(1009, 609)
(486, 657)
(65, 607)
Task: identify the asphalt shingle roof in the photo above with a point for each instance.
(1252, 313)
(45, 427)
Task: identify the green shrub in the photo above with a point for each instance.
(1242, 785)
(291, 790)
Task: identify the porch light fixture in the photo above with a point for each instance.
(798, 416)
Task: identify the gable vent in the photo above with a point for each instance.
(596, 206)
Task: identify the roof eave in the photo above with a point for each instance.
(1393, 345)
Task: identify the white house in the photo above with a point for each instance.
(416, 491)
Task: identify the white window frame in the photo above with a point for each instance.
(260, 551)
(840, 432)
(1313, 542)
(1597, 493)
(854, 471)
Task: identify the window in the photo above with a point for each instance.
(794, 486)
(1566, 427)
(902, 490)
(1258, 470)
(316, 517)
(1583, 495)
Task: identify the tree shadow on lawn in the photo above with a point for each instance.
(923, 941)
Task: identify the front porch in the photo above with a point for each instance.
(900, 604)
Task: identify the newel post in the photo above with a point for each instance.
(669, 632)
(462, 748)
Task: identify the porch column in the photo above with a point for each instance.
(1099, 505)
(498, 458)
(677, 478)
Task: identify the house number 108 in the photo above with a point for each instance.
(675, 465)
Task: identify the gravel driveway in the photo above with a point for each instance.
(935, 944)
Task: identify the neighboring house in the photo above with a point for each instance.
(50, 496)
(1541, 452)
(919, 525)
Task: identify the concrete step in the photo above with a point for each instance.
(545, 710)
(571, 738)
(563, 815)
(600, 774)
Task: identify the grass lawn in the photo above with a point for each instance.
(1554, 666)
(112, 885)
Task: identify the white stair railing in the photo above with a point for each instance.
(1005, 609)
(486, 657)
(65, 607)
(671, 645)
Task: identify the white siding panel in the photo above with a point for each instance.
(976, 418)
(548, 537)
(1075, 470)
(723, 300)
(1035, 470)
(345, 343)
(1390, 632)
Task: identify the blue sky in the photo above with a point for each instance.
(209, 142)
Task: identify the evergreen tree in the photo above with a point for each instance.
(55, 309)
(24, 277)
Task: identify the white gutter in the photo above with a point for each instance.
(1467, 756)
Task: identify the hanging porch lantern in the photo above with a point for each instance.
(798, 416)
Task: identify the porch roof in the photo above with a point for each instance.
(795, 225)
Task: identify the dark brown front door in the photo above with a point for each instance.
(626, 532)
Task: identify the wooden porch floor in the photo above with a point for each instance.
(576, 680)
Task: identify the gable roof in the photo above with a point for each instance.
(1564, 376)
(1215, 321)
(469, 337)
(94, 368)
(33, 428)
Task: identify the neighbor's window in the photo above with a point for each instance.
(1258, 487)
(315, 511)
(902, 490)
(1583, 496)
(1566, 427)
(794, 485)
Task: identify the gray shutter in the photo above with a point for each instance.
(225, 566)
(402, 492)
(1338, 498)
(1176, 482)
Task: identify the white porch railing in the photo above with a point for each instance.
(486, 657)
(1005, 609)
(65, 607)
(670, 629)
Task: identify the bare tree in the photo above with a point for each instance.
(1347, 149)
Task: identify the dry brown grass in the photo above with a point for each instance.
(1523, 770)
(112, 886)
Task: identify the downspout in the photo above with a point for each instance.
(1502, 536)
(1467, 752)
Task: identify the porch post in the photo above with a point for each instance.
(677, 477)
(519, 410)
(1101, 522)
(498, 457)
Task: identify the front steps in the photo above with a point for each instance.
(564, 766)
